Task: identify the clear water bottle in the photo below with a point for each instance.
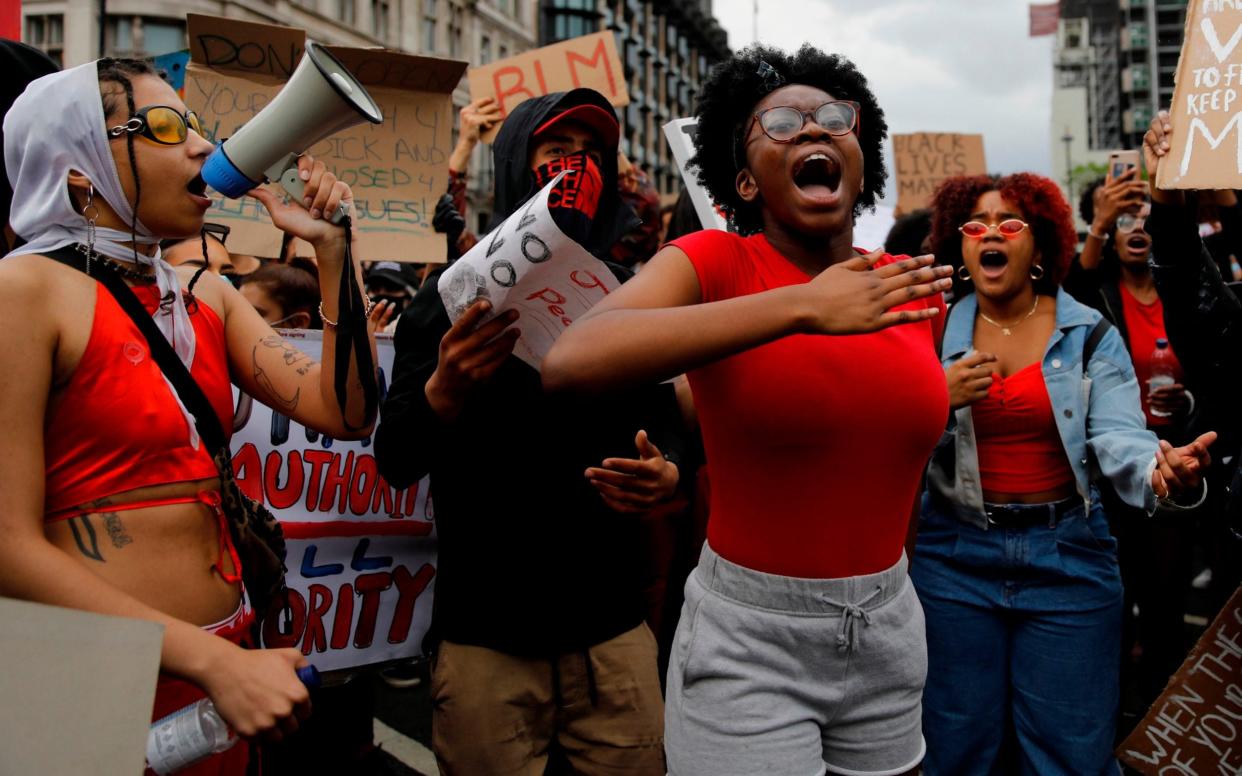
(196, 732)
(1162, 372)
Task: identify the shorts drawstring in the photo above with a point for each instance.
(847, 636)
(212, 500)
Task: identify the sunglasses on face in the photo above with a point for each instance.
(1009, 228)
(161, 124)
(783, 123)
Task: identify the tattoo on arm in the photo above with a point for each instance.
(284, 404)
(116, 531)
(85, 537)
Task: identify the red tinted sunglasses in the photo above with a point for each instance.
(1009, 228)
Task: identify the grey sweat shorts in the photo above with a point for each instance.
(785, 676)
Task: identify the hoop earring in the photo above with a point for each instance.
(963, 274)
(90, 212)
(1036, 275)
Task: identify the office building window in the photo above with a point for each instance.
(48, 34)
(562, 19)
(347, 11)
(429, 26)
(379, 18)
(455, 31)
(485, 49)
(162, 36)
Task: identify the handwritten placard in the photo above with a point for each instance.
(1195, 726)
(361, 553)
(1206, 147)
(528, 264)
(397, 169)
(680, 136)
(589, 61)
(924, 159)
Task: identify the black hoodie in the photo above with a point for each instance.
(531, 561)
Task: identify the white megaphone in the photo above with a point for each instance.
(320, 99)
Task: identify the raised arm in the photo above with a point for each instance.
(657, 326)
(272, 370)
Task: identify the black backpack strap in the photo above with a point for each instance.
(1093, 341)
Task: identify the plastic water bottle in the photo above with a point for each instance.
(196, 732)
(1162, 373)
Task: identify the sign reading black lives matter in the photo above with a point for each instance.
(1205, 151)
(397, 169)
(925, 159)
(528, 264)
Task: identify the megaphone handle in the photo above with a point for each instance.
(292, 183)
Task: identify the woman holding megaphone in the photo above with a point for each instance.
(113, 498)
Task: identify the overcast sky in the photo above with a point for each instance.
(935, 65)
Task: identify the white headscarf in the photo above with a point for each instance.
(58, 125)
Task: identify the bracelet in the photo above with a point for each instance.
(1100, 237)
(331, 324)
(1169, 505)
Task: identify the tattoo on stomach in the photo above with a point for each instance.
(116, 530)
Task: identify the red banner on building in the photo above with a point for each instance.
(1044, 18)
(11, 19)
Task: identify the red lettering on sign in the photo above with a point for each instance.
(344, 616)
(519, 87)
(582, 283)
(409, 588)
(599, 55)
(248, 471)
(362, 484)
(320, 603)
(317, 459)
(273, 638)
(335, 481)
(369, 587)
(278, 497)
(548, 295)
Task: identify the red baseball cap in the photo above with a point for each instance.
(603, 122)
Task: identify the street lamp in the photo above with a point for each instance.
(1067, 139)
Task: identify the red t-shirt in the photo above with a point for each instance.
(816, 444)
(1145, 323)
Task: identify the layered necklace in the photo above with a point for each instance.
(1007, 329)
(132, 273)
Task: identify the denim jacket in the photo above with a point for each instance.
(1098, 414)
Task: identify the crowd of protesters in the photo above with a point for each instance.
(930, 505)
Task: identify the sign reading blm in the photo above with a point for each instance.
(1205, 151)
(924, 159)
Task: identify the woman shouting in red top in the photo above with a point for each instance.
(814, 372)
(112, 499)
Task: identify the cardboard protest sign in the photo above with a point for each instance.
(528, 264)
(590, 61)
(361, 554)
(397, 169)
(924, 159)
(1206, 109)
(1194, 726)
(680, 136)
(78, 689)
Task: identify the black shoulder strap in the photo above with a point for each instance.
(188, 390)
(1093, 341)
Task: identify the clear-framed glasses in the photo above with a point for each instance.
(1129, 222)
(1010, 228)
(783, 123)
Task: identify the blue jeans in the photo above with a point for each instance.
(1023, 641)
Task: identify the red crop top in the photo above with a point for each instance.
(116, 426)
(1020, 449)
(815, 444)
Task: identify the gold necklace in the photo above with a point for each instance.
(1007, 330)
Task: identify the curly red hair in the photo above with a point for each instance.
(1041, 203)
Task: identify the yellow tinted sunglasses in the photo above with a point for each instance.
(160, 123)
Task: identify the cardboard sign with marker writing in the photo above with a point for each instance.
(924, 159)
(589, 61)
(1205, 151)
(397, 169)
(1195, 726)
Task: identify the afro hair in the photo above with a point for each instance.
(727, 101)
(1042, 205)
